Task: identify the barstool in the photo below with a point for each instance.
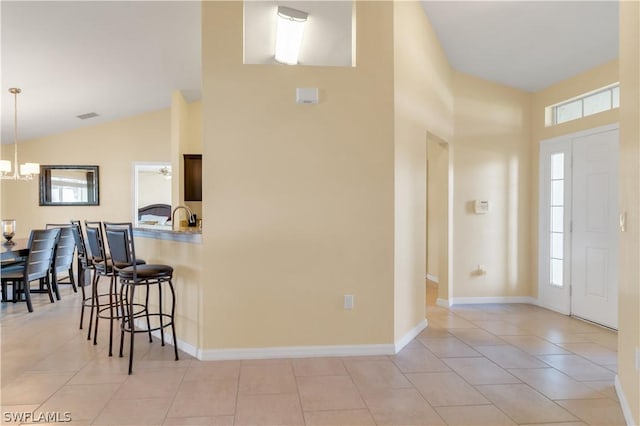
(133, 275)
(84, 263)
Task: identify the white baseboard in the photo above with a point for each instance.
(479, 300)
(433, 278)
(294, 352)
(624, 404)
(168, 339)
(442, 302)
(410, 335)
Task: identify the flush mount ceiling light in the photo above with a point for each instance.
(26, 170)
(289, 31)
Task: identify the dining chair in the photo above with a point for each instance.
(63, 260)
(133, 275)
(36, 267)
(106, 304)
(83, 265)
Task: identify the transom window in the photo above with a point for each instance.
(584, 105)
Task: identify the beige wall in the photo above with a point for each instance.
(629, 291)
(298, 198)
(112, 146)
(437, 210)
(491, 162)
(423, 103)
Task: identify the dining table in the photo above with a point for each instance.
(11, 252)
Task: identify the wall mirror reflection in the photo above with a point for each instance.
(69, 186)
(152, 195)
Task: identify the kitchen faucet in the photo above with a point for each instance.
(190, 219)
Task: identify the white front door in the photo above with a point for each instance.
(595, 228)
(578, 245)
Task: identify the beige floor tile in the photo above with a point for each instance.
(558, 424)
(446, 389)
(401, 407)
(501, 328)
(593, 352)
(601, 412)
(534, 345)
(134, 412)
(477, 337)
(554, 384)
(480, 371)
(605, 387)
(476, 415)
(448, 347)
(151, 384)
(33, 387)
(449, 321)
(507, 356)
(417, 361)
(328, 393)
(558, 335)
(339, 418)
(212, 370)
(319, 367)
(282, 409)
(205, 398)
(83, 402)
(432, 331)
(578, 367)
(102, 370)
(195, 421)
(525, 405)
(608, 339)
(267, 378)
(375, 375)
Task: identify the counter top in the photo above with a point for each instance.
(186, 235)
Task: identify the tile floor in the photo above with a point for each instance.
(473, 365)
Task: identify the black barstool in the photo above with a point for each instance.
(133, 275)
(84, 264)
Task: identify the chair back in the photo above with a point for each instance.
(41, 253)
(83, 257)
(120, 240)
(95, 238)
(66, 247)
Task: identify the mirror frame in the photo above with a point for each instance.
(45, 185)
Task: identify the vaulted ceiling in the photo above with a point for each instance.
(124, 58)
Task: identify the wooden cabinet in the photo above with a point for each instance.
(193, 177)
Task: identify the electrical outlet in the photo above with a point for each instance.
(637, 359)
(348, 301)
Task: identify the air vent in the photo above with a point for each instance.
(87, 115)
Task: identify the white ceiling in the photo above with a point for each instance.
(526, 44)
(120, 58)
(110, 57)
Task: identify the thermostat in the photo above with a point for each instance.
(481, 207)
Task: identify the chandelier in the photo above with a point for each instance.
(24, 171)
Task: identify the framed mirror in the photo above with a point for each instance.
(69, 186)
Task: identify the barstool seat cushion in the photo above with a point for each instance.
(146, 271)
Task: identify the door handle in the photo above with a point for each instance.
(623, 222)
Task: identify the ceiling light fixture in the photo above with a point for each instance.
(289, 31)
(166, 172)
(26, 170)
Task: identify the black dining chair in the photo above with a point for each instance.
(36, 267)
(132, 276)
(105, 304)
(83, 265)
(63, 261)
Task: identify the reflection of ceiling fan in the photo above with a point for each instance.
(166, 172)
